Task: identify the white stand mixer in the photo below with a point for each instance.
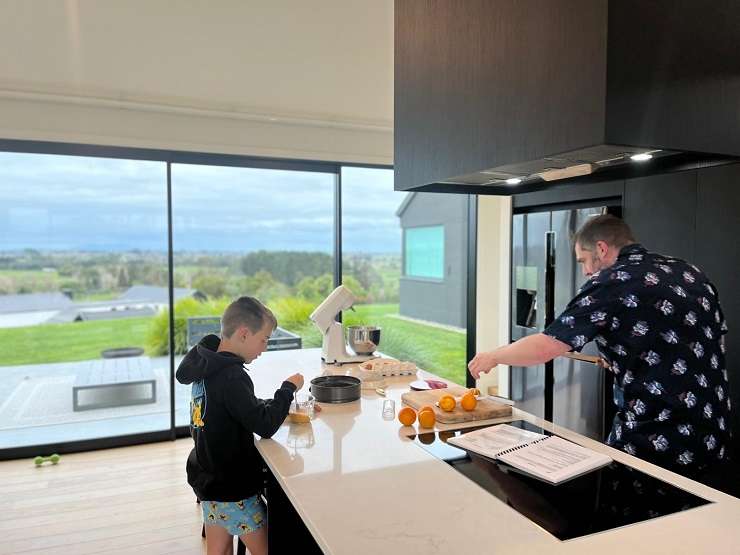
(334, 346)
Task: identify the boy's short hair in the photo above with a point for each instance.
(610, 229)
(246, 311)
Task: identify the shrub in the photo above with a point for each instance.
(292, 313)
(157, 338)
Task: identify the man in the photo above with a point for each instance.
(659, 328)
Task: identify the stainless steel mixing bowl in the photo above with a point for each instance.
(363, 340)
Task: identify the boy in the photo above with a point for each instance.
(224, 468)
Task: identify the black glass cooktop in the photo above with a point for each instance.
(607, 498)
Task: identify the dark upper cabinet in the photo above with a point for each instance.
(661, 210)
(486, 89)
(673, 78)
(480, 83)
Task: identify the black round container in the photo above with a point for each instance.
(335, 389)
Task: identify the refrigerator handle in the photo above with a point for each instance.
(550, 238)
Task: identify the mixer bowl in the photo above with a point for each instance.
(363, 340)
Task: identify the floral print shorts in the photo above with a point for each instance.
(238, 517)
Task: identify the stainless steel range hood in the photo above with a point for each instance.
(509, 96)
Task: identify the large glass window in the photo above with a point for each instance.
(422, 320)
(246, 231)
(83, 279)
(424, 252)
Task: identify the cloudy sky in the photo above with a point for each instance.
(52, 202)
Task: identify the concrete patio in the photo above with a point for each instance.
(37, 406)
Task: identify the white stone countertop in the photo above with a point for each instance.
(362, 487)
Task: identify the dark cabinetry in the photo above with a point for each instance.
(661, 210)
(694, 215)
(718, 254)
(517, 85)
(480, 83)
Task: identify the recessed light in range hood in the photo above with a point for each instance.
(564, 166)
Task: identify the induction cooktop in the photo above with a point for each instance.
(610, 497)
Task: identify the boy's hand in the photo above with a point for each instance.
(296, 380)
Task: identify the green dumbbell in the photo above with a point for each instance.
(53, 459)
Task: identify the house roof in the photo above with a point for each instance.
(86, 315)
(31, 302)
(406, 201)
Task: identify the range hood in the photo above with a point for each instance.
(511, 96)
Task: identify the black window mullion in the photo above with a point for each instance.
(171, 292)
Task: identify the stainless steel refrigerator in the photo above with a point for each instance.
(545, 277)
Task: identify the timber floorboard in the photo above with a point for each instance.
(130, 500)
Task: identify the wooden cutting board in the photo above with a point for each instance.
(484, 410)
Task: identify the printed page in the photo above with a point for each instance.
(490, 442)
(555, 459)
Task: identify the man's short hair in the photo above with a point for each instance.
(610, 229)
(246, 311)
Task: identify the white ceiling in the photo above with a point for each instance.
(320, 63)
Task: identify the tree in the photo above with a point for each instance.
(211, 284)
(123, 280)
(288, 267)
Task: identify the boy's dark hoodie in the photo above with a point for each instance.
(224, 465)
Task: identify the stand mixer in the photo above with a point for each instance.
(334, 346)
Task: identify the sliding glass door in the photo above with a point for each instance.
(102, 248)
(83, 275)
(264, 233)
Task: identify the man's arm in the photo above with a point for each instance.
(528, 351)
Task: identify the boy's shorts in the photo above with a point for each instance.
(238, 517)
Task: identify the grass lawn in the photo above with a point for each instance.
(69, 342)
(434, 349)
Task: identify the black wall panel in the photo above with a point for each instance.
(661, 210)
(718, 254)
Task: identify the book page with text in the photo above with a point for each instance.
(490, 442)
(555, 459)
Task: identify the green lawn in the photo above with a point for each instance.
(69, 342)
(437, 350)
(434, 349)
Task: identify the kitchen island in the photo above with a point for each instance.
(361, 485)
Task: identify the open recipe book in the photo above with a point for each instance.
(548, 458)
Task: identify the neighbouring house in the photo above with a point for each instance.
(56, 308)
(434, 256)
(28, 309)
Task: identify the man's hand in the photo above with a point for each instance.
(482, 363)
(296, 380)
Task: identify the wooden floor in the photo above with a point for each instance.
(129, 500)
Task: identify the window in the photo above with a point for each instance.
(424, 250)
(421, 320)
(264, 233)
(83, 279)
(85, 276)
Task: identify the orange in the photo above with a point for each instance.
(406, 416)
(426, 407)
(447, 403)
(468, 401)
(426, 419)
(474, 390)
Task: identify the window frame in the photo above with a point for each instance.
(214, 159)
